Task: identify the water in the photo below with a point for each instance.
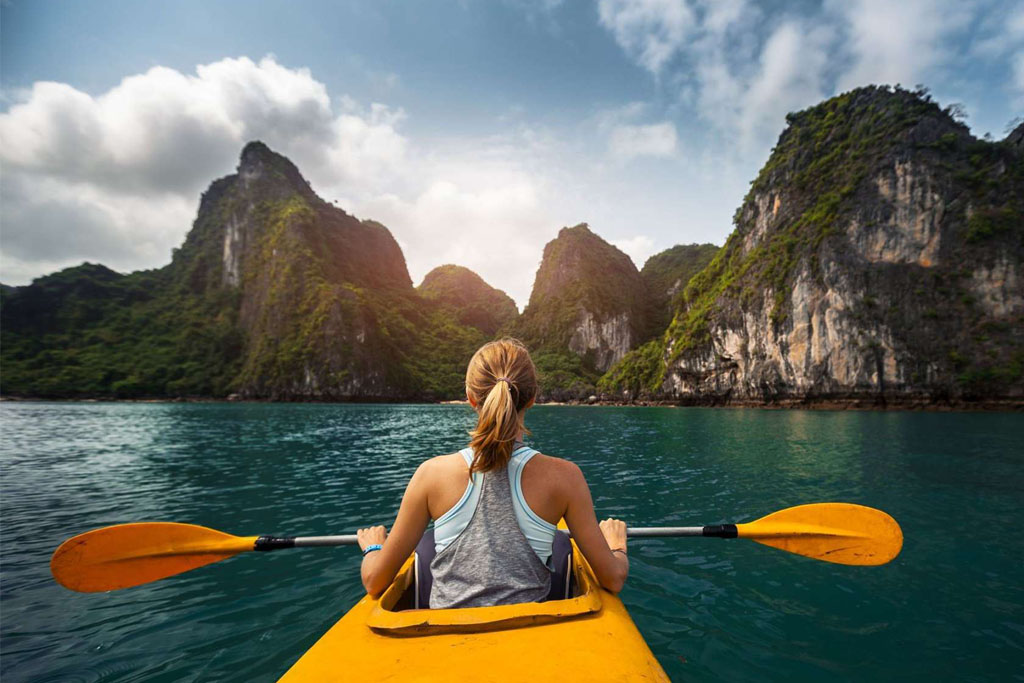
(951, 606)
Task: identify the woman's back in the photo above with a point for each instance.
(538, 531)
(484, 551)
(496, 554)
(542, 479)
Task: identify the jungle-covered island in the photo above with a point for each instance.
(875, 261)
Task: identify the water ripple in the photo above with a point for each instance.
(710, 609)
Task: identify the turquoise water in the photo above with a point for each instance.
(950, 607)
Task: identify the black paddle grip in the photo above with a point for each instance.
(720, 531)
(274, 543)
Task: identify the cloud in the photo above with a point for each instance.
(116, 177)
(740, 72)
(790, 75)
(639, 248)
(655, 140)
(162, 130)
(1001, 37)
(650, 31)
(896, 42)
(741, 68)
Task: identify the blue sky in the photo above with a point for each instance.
(474, 130)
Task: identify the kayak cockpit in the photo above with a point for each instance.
(588, 637)
(397, 613)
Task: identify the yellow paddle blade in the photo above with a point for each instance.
(843, 533)
(132, 554)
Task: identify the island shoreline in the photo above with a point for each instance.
(830, 404)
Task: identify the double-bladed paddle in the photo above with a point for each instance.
(128, 555)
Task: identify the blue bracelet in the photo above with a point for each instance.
(371, 548)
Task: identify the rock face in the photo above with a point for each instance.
(666, 274)
(311, 282)
(588, 298)
(274, 294)
(469, 298)
(877, 257)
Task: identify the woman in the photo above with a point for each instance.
(495, 504)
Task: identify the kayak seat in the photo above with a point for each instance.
(562, 581)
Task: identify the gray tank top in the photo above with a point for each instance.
(491, 562)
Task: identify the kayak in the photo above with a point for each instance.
(589, 636)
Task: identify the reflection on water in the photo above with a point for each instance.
(950, 606)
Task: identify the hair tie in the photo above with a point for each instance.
(504, 379)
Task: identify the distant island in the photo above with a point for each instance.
(875, 261)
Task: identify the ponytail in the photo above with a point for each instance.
(502, 380)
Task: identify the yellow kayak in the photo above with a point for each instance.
(587, 637)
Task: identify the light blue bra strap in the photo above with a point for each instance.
(520, 458)
(444, 519)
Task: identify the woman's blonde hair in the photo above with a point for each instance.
(502, 381)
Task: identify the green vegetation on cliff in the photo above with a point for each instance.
(878, 224)
(88, 331)
(821, 185)
(580, 275)
(666, 275)
(472, 301)
(579, 271)
(274, 294)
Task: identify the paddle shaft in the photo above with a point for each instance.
(264, 543)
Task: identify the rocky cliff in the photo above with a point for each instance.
(587, 309)
(666, 274)
(274, 294)
(472, 301)
(876, 258)
(316, 286)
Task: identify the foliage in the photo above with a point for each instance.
(73, 334)
(471, 300)
(324, 308)
(562, 374)
(988, 222)
(639, 371)
(666, 275)
(819, 176)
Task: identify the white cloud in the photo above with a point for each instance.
(789, 76)
(650, 31)
(1000, 30)
(896, 42)
(655, 140)
(492, 216)
(639, 248)
(741, 68)
(740, 72)
(116, 177)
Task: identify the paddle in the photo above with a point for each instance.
(128, 555)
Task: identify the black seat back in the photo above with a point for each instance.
(562, 581)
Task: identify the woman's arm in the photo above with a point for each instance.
(380, 566)
(604, 546)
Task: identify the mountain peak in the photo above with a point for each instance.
(474, 301)
(259, 162)
(578, 230)
(587, 297)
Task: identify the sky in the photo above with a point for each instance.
(474, 130)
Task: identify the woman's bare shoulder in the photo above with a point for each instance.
(559, 467)
(443, 465)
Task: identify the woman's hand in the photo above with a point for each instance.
(614, 531)
(374, 535)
